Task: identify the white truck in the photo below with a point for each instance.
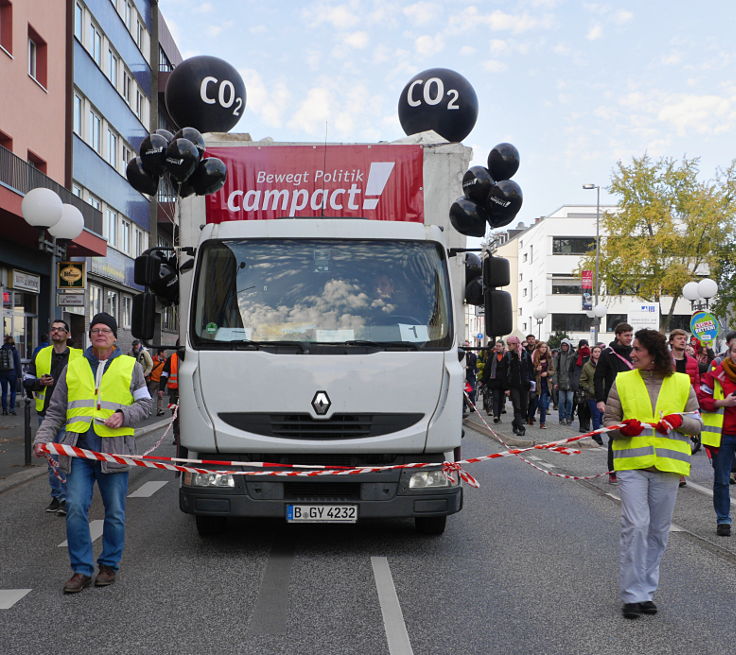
(321, 313)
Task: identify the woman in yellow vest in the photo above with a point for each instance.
(650, 453)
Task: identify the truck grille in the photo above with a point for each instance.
(335, 491)
(303, 426)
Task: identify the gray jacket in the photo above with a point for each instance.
(564, 365)
(55, 419)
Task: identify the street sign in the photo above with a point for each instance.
(70, 299)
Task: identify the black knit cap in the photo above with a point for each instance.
(105, 319)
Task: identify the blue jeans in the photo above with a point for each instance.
(721, 472)
(564, 404)
(595, 413)
(113, 489)
(58, 488)
(543, 404)
(8, 380)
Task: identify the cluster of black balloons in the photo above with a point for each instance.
(489, 195)
(181, 157)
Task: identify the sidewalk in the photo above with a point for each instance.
(12, 445)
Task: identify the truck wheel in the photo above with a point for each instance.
(210, 525)
(430, 524)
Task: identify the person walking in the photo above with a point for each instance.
(530, 345)
(648, 461)
(471, 377)
(544, 369)
(170, 383)
(154, 380)
(140, 353)
(40, 379)
(10, 374)
(519, 377)
(563, 380)
(493, 380)
(587, 386)
(579, 400)
(615, 358)
(99, 396)
(718, 402)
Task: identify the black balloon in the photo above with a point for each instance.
(439, 99)
(194, 135)
(139, 178)
(477, 183)
(166, 134)
(209, 176)
(503, 161)
(186, 188)
(473, 266)
(468, 218)
(504, 202)
(206, 93)
(153, 154)
(181, 159)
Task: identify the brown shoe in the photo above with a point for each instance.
(76, 583)
(105, 577)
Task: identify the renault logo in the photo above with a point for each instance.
(321, 403)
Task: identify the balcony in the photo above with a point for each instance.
(19, 176)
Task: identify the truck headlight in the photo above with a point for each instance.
(208, 480)
(429, 479)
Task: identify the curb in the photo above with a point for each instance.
(16, 479)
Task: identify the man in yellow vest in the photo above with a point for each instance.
(40, 378)
(659, 409)
(98, 398)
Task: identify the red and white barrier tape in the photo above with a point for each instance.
(175, 409)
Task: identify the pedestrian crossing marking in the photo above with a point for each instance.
(147, 489)
(95, 531)
(9, 597)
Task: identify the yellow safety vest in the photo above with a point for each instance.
(87, 405)
(43, 367)
(713, 421)
(669, 453)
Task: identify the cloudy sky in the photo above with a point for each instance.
(575, 86)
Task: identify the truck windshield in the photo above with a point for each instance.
(322, 291)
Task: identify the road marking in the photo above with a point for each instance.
(393, 618)
(148, 489)
(676, 528)
(272, 606)
(9, 597)
(536, 459)
(702, 490)
(95, 531)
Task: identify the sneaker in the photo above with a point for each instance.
(53, 506)
(496, 419)
(631, 610)
(682, 483)
(62, 509)
(160, 412)
(105, 577)
(648, 607)
(612, 479)
(732, 479)
(12, 411)
(597, 439)
(76, 583)
(723, 529)
(542, 426)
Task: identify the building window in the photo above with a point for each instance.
(95, 127)
(139, 104)
(112, 68)
(525, 257)
(6, 141)
(78, 21)
(531, 253)
(37, 62)
(6, 26)
(140, 242)
(110, 226)
(612, 320)
(126, 86)
(566, 287)
(531, 288)
(127, 155)
(139, 34)
(37, 163)
(77, 115)
(77, 190)
(111, 302)
(572, 245)
(95, 44)
(95, 300)
(127, 14)
(125, 236)
(112, 148)
(570, 323)
(126, 310)
(95, 202)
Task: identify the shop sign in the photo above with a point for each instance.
(71, 275)
(22, 281)
(70, 299)
(644, 316)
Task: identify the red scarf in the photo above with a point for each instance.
(583, 354)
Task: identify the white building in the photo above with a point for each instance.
(543, 258)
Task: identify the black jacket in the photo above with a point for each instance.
(519, 373)
(609, 366)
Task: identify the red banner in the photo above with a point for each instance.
(587, 287)
(379, 182)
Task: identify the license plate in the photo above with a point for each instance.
(321, 513)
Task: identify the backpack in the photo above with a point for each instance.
(6, 360)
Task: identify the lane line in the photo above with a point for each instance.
(393, 618)
(147, 489)
(9, 597)
(699, 489)
(95, 531)
(271, 608)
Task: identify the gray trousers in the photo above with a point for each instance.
(647, 502)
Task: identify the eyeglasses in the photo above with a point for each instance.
(57, 329)
(99, 331)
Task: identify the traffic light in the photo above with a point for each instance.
(498, 313)
(473, 279)
(157, 269)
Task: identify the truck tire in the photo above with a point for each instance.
(430, 524)
(210, 525)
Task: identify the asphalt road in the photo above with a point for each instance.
(528, 566)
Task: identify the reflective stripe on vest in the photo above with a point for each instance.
(173, 382)
(713, 421)
(85, 404)
(43, 367)
(669, 453)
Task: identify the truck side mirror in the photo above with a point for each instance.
(144, 316)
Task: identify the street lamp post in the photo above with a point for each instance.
(597, 250)
(539, 314)
(700, 293)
